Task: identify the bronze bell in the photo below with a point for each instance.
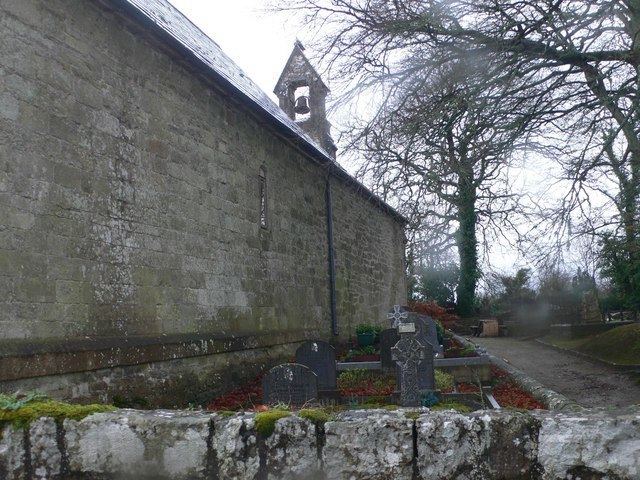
(302, 106)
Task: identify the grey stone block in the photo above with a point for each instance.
(594, 444)
(12, 453)
(292, 450)
(372, 444)
(134, 444)
(481, 445)
(235, 444)
(46, 458)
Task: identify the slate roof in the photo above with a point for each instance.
(196, 47)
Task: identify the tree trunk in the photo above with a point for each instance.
(467, 244)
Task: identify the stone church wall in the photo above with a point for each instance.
(130, 244)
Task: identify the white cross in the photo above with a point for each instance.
(397, 316)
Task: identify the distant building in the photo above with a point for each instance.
(165, 228)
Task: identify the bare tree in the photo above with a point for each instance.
(577, 59)
(442, 147)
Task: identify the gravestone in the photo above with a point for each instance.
(320, 357)
(427, 330)
(291, 384)
(409, 353)
(388, 338)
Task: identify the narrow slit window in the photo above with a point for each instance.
(263, 198)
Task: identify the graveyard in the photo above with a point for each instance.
(414, 363)
(409, 250)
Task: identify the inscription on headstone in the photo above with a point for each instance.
(407, 328)
(320, 357)
(291, 384)
(408, 353)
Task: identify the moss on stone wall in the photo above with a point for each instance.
(20, 413)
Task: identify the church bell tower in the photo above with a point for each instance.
(302, 96)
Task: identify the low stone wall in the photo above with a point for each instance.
(373, 444)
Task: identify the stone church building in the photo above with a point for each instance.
(165, 228)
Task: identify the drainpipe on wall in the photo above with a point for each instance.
(331, 257)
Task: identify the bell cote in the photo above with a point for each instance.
(302, 96)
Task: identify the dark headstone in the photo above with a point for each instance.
(320, 357)
(388, 338)
(291, 384)
(428, 331)
(409, 353)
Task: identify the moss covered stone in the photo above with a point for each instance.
(266, 421)
(22, 416)
(457, 406)
(317, 416)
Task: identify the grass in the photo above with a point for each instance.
(21, 412)
(459, 407)
(620, 345)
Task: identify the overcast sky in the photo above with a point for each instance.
(258, 42)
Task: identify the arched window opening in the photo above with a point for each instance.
(263, 197)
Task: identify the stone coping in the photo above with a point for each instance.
(617, 366)
(437, 363)
(21, 359)
(405, 444)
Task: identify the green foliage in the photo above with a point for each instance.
(12, 402)
(444, 381)
(133, 402)
(619, 345)
(266, 421)
(366, 350)
(20, 412)
(620, 263)
(449, 405)
(412, 415)
(367, 328)
(516, 287)
(437, 283)
(351, 378)
(439, 331)
(225, 413)
(317, 416)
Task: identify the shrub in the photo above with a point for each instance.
(438, 313)
(366, 328)
(444, 381)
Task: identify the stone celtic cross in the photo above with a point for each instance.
(408, 353)
(397, 315)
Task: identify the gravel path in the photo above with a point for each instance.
(587, 383)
